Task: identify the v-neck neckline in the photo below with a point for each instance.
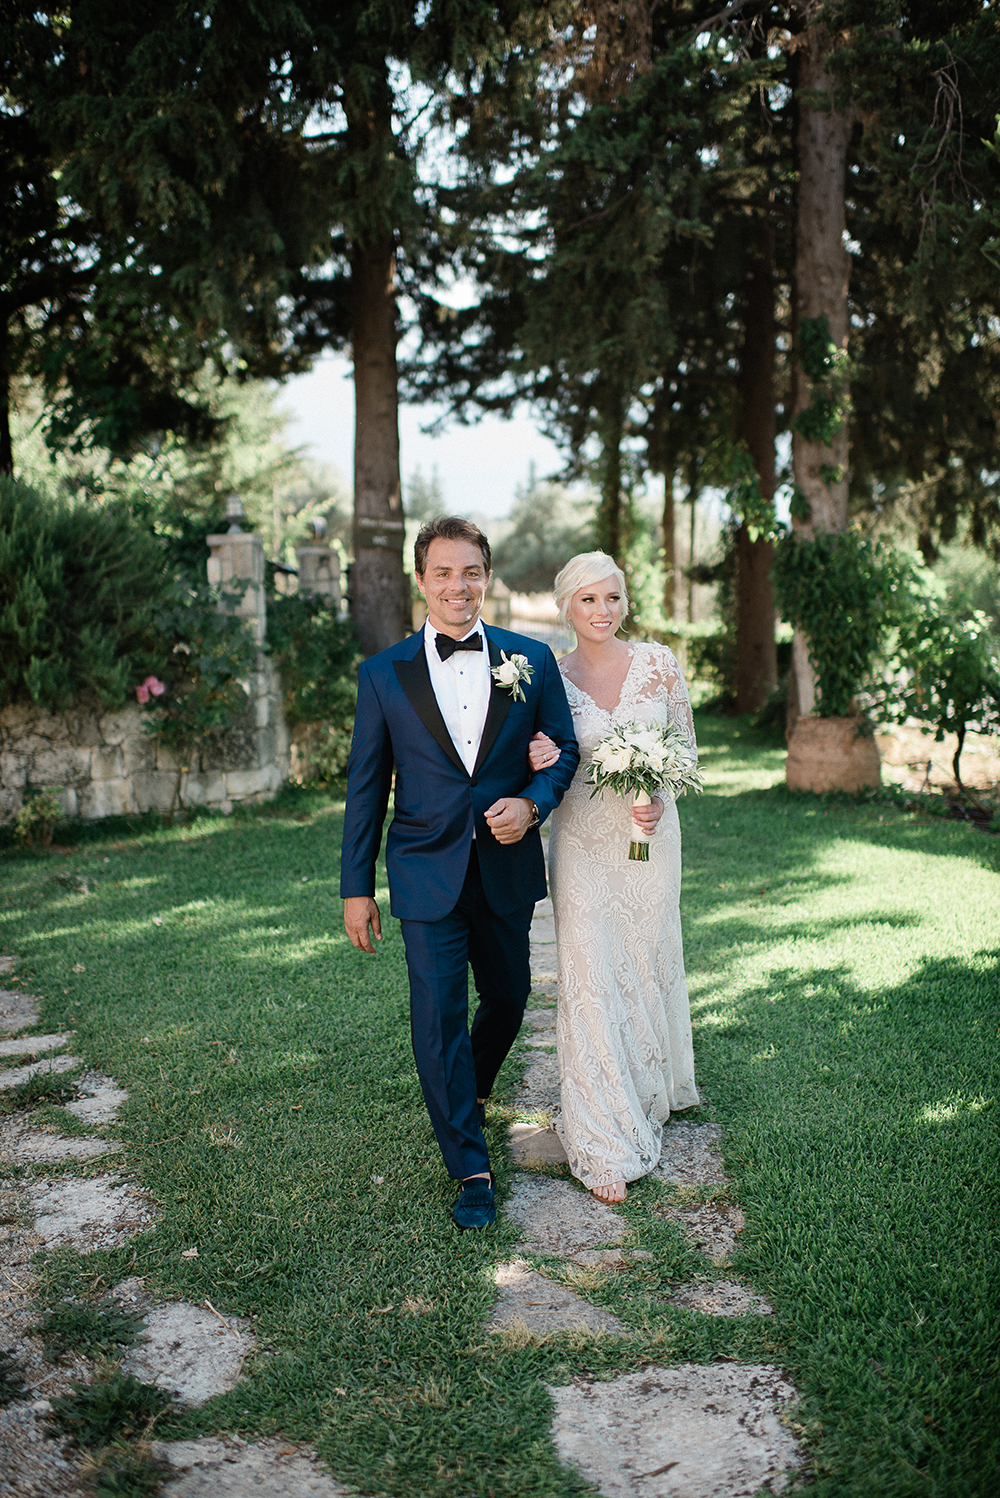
(621, 690)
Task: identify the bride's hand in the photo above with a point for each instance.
(542, 753)
(647, 817)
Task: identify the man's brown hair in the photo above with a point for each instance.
(449, 528)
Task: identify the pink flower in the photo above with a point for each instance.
(155, 686)
(142, 693)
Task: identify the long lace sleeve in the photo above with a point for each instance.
(674, 692)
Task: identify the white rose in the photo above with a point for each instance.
(619, 761)
(508, 673)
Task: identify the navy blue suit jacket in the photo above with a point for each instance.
(398, 726)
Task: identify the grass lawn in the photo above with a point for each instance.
(844, 964)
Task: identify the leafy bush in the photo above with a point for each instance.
(950, 678)
(37, 819)
(845, 592)
(76, 586)
(319, 655)
(209, 657)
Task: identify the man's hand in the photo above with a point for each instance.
(360, 913)
(508, 818)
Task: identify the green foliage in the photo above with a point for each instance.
(211, 656)
(82, 1328)
(97, 1413)
(547, 526)
(76, 587)
(319, 655)
(12, 1385)
(828, 369)
(845, 592)
(37, 818)
(951, 677)
(124, 1471)
(748, 505)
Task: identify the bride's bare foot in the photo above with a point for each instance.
(611, 1194)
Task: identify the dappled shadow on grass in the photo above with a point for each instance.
(860, 1130)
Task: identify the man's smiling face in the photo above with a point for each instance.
(454, 584)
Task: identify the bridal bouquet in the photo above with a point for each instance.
(643, 759)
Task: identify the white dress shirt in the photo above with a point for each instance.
(462, 686)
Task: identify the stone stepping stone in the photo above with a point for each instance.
(542, 1024)
(722, 1298)
(25, 1144)
(190, 1352)
(558, 1219)
(687, 1432)
(226, 1467)
(100, 1213)
(17, 1010)
(690, 1155)
(531, 1144)
(712, 1226)
(540, 1089)
(101, 1098)
(31, 1045)
(17, 1075)
(530, 1302)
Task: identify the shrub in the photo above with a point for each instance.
(950, 678)
(319, 655)
(76, 586)
(37, 819)
(845, 592)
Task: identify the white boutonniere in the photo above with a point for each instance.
(513, 674)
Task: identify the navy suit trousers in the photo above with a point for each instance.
(454, 1067)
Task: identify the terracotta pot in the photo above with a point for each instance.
(830, 754)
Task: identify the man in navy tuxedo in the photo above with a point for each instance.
(463, 854)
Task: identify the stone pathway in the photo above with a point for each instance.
(683, 1432)
(193, 1352)
(680, 1432)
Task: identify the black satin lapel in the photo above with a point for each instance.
(415, 679)
(500, 700)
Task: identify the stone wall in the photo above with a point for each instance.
(105, 764)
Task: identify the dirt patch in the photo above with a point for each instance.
(86, 1215)
(16, 1076)
(34, 1045)
(556, 1218)
(226, 1467)
(531, 1144)
(540, 1088)
(532, 1303)
(689, 1155)
(722, 1298)
(99, 1101)
(712, 1226)
(687, 1432)
(25, 1144)
(17, 1010)
(194, 1354)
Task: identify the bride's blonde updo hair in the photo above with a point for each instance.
(581, 572)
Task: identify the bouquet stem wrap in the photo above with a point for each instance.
(638, 848)
(642, 760)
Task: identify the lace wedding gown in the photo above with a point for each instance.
(623, 1028)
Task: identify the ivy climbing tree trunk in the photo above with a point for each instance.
(756, 653)
(378, 582)
(819, 423)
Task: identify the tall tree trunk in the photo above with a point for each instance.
(611, 526)
(669, 548)
(378, 582)
(822, 267)
(694, 490)
(6, 447)
(756, 651)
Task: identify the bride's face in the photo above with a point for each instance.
(595, 612)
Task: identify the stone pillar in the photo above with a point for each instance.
(238, 558)
(319, 572)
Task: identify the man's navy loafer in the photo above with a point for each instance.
(475, 1207)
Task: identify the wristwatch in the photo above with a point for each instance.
(535, 818)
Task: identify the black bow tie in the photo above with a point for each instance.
(446, 646)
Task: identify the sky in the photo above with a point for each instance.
(479, 467)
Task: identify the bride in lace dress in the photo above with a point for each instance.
(623, 1027)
